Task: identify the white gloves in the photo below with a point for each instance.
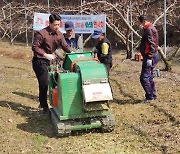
(59, 54)
(49, 56)
(149, 62)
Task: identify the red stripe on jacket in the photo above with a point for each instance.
(147, 47)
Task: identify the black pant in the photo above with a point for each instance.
(108, 66)
(40, 67)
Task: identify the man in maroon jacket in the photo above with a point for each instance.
(149, 51)
(45, 43)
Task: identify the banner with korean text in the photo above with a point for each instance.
(82, 23)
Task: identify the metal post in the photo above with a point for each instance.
(131, 20)
(81, 14)
(11, 24)
(165, 28)
(32, 36)
(48, 7)
(26, 23)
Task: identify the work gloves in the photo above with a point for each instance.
(59, 54)
(149, 62)
(50, 56)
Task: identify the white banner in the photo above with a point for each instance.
(82, 23)
(97, 92)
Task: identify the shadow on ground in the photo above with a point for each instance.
(145, 135)
(36, 122)
(131, 100)
(171, 118)
(22, 94)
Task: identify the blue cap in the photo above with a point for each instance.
(69, 25)
(97, 33)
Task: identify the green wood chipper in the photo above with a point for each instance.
(79, 92)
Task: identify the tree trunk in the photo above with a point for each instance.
(168, 63)
(128, 51)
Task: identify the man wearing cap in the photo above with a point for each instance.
(103, 49)
(46, 41)
(72, 39)
(149, 51)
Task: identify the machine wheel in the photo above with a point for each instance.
(108, 123)
(63, 129)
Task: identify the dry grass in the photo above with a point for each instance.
(140, 128)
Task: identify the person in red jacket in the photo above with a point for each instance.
(149, 50)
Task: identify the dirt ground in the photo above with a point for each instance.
(140, 128)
